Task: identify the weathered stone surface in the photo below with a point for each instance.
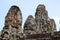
(13, 23)
(52, 25)
(30, 26)
(14, 17)
(39, 28)
(42, 19)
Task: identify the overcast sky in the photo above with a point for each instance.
(28, 7)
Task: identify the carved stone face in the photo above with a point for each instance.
(30, 25)
(13, 21)
(14, 17)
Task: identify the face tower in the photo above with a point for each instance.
(41, 15)
(13, 23)
(30, 26)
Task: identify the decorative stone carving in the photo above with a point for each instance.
(33, 27)
(13, 22)
(30, 25)
(41, 17)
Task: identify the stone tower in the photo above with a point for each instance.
(39, 28)
(42, 19)
(41, 16)
(13, 24)
(30, 26)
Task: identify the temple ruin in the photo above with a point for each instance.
(39, 28)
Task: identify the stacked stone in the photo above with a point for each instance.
(42, 22)
(52, 25)
(42, 19)
(13, 23)
(30, 26)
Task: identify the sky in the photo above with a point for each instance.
(28, 7)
